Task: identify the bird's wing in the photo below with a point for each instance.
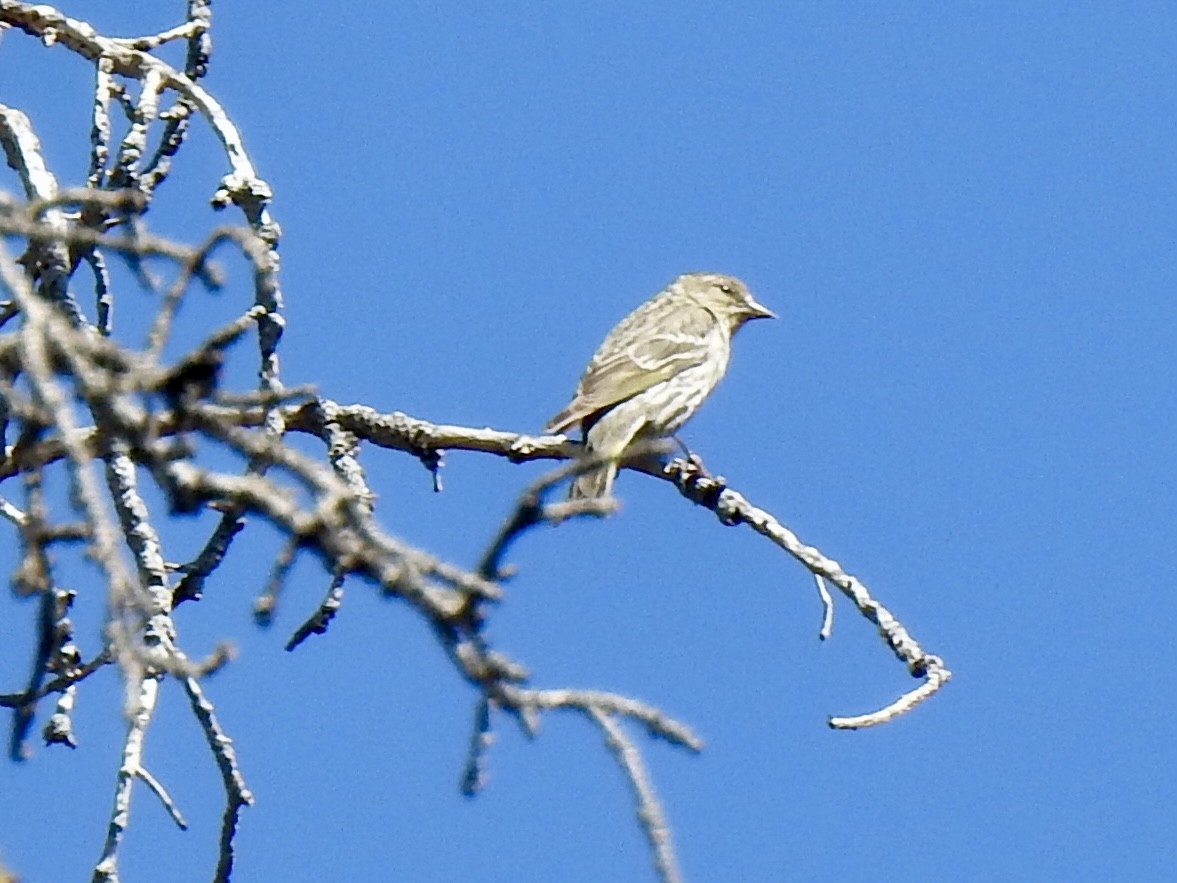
(681, 338)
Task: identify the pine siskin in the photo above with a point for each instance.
(654, 369)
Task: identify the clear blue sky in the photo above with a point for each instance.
(965, 214)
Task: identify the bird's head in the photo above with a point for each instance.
(726, 296)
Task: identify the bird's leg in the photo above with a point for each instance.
(693, 459)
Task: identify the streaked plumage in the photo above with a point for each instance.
(654, 369)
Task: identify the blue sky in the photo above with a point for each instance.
(965, 215)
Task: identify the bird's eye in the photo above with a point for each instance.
(727, 289)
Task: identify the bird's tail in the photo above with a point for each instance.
(593, 483)
(607, 443)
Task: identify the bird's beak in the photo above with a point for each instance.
(757, 310)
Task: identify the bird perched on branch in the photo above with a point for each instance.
(654, 369)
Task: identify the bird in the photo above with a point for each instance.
(653, 371)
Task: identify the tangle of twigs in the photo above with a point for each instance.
(108, 415)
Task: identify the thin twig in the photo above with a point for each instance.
(651, 817)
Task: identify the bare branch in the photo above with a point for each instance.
(321, 618)
(142, 696)
(237, 794)
(649, 809)
(732, 508)
(164, 797)
(74, 395)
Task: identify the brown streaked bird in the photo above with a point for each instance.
(654, 369)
